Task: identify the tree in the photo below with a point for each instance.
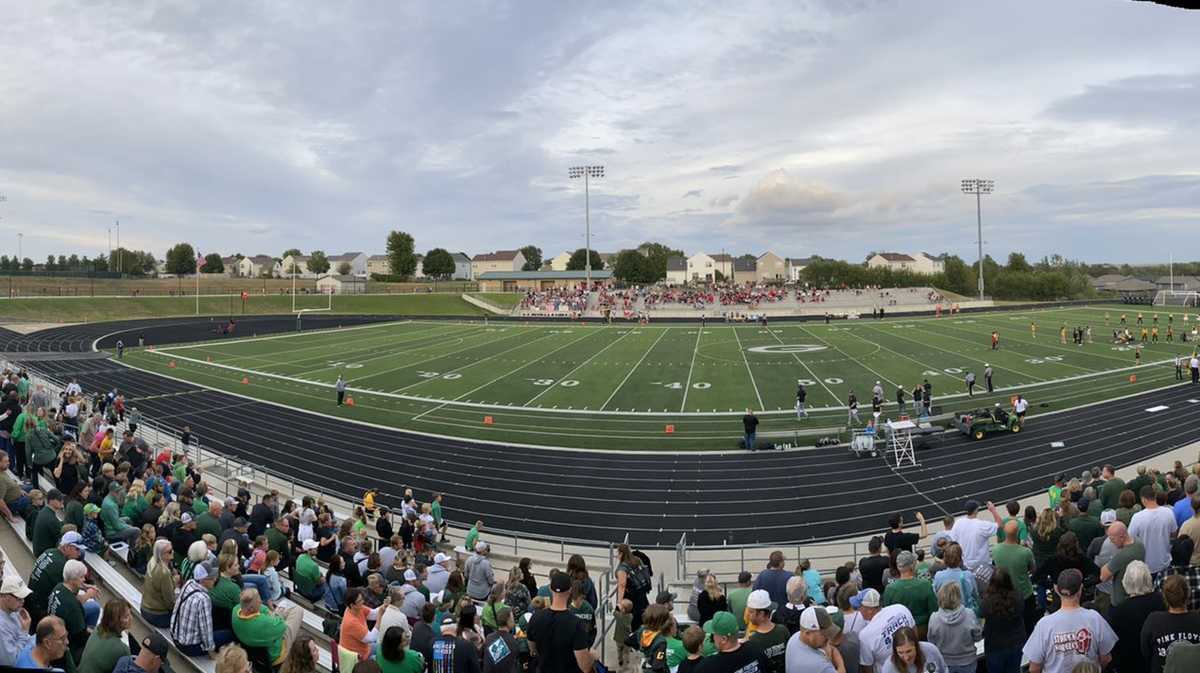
(438, 263)
(578, 261)
(957, 275)
(1016, 262)
(533, 258)
(290, 252)
(657, 254)
(344, 268)
(50, 263)
(401, 260)
(181, 259)
(318, 262)
(73, 263)
(27, 264)
(632, 267)
(213, 263)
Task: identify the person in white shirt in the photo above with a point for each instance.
(875, 639)
(14, 620)
(1153, 527)
(393, 615)
(1063, 639)
(438, 574)
(73, 389)
(973, 535)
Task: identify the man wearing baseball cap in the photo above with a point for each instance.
(732, 655)
(149, 659)
(1071, 635)
(48, 572)
(973, 535)
(811, 650)
(47, 528)
(14, 619)
(438, 574)
(557, 637)
(770, 638)
(310, 583)
(875, 638)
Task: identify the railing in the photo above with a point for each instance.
(824, 556)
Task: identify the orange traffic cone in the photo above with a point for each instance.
(349, 401)
(670, 430)
(245, 380)
(487, 420)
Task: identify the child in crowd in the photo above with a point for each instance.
(622, 626)
(274, 585)
(693, 638)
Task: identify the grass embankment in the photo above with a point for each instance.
(49, 286)
(92, 309)
(499, 299)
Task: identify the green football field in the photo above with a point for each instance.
(670, 386)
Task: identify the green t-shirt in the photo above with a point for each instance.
(101, 653)
(1134, 551)
(47, 530)
(472, 537)
(436, 510)
(675, 653)
(773, 643)
(737, 604)
(915, 594)
(1016, 559)
(412, 662)
(585, 612)
(66, 606)
(308, 574)
(47, 572)
(1022, 531)
(225, 594)
(1110, 493)
(207, 523)
(261, 630)
(1085, 528)
(179, 470)
(1055, 493)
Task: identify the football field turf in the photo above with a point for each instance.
(659, 386)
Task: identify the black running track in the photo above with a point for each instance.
(733, 498)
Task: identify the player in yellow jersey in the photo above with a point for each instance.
(1033, 329)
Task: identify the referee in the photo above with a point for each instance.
(801, 396)
(340, 387)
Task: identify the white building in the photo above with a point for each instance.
(559, 261)
(258, 265)
(378, 264)
(703, 268)
(462, 266)
(501, 260)
(342, 284)
(356, 260)
(927, 263)
(892, 260)
(300, 262)
(795, 265)
(677, 270)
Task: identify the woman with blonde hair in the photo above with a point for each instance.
(142, 549)
(956, 573)
(516, 594)
(232, 659)
(712, 600)
(955, 630)
(158, 591)
(135, 500)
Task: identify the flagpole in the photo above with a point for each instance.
(199, 263)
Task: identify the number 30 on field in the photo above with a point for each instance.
(566, 383)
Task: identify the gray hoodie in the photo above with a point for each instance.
(955, 633)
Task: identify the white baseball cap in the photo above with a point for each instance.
(440, 558)
(310, 544)
(13, 586)
(1108, 516)
(759, 599)
(816, 618)
(410, 576)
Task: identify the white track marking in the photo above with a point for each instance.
(857, 361)
(688, 385)
(747, 361)
(579, 366)
(632, 370)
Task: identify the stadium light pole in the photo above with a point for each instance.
(979, 187)
(587, 172)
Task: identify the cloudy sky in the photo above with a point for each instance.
(829, 128)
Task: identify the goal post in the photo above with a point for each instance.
(1177, 298)
(322, 307)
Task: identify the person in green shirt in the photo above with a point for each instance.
(1014, 514)
(64, 603)
(225, 593)
(393, 657)
(107, 644)
(1086, 527)
(1129, 549)
(1110, 492)
(473, 536)
(256, 626)
(1056, 490)
(770, 638)
(115, 527)
(435, 508)
(1017, 559)
(47, 528)
(912, 592)
(737, 598)
(310, 583)
(48, 571)
(210, 521)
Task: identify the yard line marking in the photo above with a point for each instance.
(475, 362)
(688, 385)
(505, 375)
(761, 406)
(857, 361)
(1049, 343)
(577, 367)
(949, 352)
(810, 371)
(632, 370)
(289, 336)
(1157, 408)
(387, 349)
(317, 341)
(437, 357)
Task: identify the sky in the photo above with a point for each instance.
(833, 127)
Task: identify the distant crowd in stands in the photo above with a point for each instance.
(556, 300)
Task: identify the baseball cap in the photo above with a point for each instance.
(240, 523)
(449, 621)
(971, 506)
(560, 583)
(13, 586)
(1070, 581)
(481, 547)
(200, 572)
(91, 509)
(665, 598)
(722, 624)
(867, 598)
(410, 576)
(759, 599)
(440, 558)
(1108, 516)
(815, 618)
(310, 545)
(72, 538)
(186, 518)
(156, 644)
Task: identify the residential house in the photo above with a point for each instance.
(745, 270)
(1107, 281)
(419, 269)
(1178, 283)
(501, 260)
(342, 284)
(795, 265)
(463, 269)
(259, 265)
(230, 265)
(300, 262)
(892, 260)
(520, 281)
(559, 261)
(378, 264)
(703, 268)
(770, 268)
(929, 264)
(677, 270)
(356, 260)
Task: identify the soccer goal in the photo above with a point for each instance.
(1177, 298)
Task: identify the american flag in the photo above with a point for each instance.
(199, 260)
